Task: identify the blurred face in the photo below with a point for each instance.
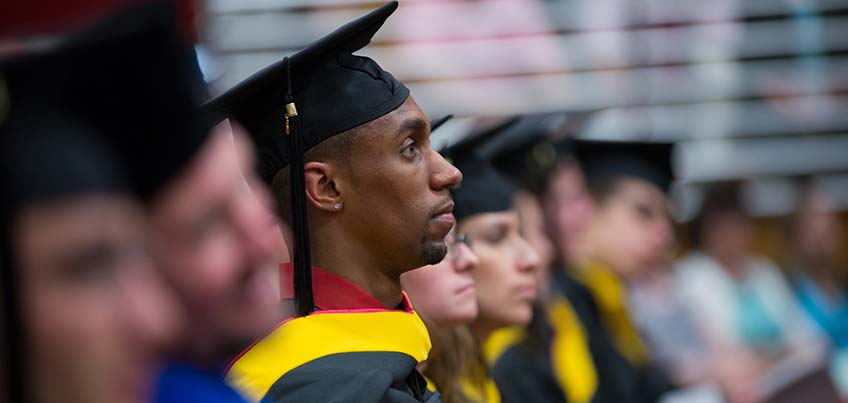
(631, 230)
(444, 293)
(817, 230)
(504, 277)
(96, 312)
(396, 190)
(728, 236)
(569, 205)
(532, 228)
(216, 240)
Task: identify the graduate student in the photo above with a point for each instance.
(445, 297)
(549, 360)
(504, 277)
(346, 151)
(630, 230)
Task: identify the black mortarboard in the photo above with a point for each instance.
(526, 150)
(292, 105)
(649, 161)
(131, 78)
(483, 189)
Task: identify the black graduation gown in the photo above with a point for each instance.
(533, 370)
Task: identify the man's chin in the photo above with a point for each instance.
(433, 253)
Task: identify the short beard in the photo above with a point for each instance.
(432, 253)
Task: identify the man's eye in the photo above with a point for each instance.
(410, 150)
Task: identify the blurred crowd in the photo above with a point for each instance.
(298, 238)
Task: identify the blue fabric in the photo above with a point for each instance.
(183, 383)
(756, 326)
(830, 313)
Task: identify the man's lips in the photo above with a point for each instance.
(446, 217)
(445, 213)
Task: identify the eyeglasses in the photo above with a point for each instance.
(454, 245)
(462, 238)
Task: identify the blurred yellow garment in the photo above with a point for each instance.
(571, 359)
(477, 384)
(501, 340)
(611, 296)
(480, 387)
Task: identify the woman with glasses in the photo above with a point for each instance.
(445, 296)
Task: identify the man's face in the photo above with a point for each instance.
(398, 197)
(96, 311)
(216, 241)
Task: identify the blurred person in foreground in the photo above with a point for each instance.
(819, 276)
(750, 319)
(210, 234)
(504, 277)
(94, 313)
(347, 153)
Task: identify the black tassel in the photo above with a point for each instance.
(304, 300)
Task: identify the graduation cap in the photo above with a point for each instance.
(527, 149)
(130, 78)
(603, 160)
(483, 189)
(308, 97)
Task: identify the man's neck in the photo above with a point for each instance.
(359, 266)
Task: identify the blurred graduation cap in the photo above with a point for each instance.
(131, 78)
(295, 104)
(483, 189)
(438, 122)
(604, 160)
(526, 149)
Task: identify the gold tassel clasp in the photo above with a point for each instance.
(291, 111)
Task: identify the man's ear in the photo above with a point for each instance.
(321, 189)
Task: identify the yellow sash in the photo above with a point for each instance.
(301, 340)
(611, 296)
(571, 358)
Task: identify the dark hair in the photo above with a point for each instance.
(335, 148)
(720, 198)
